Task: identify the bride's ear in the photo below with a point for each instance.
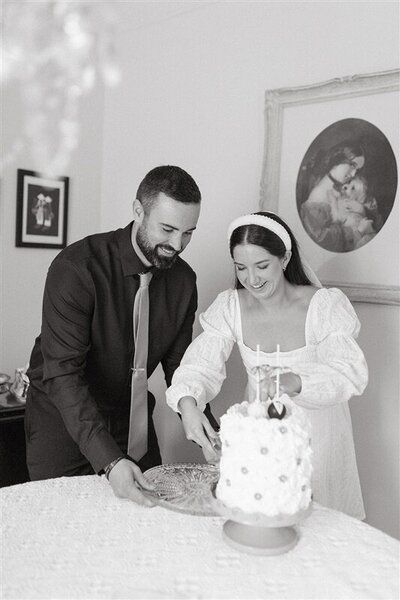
(286, 259)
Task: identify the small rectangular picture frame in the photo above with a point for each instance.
(42, 210)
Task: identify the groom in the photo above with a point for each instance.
(78, 403)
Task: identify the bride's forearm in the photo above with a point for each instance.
(186, 402)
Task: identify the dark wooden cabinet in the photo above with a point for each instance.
(13, 468)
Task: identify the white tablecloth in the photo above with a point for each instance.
(72, 538)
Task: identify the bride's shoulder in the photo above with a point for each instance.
(303, 294)
(226, 297)
(223, 303)
(321, 297)
(332, 296)
(220, 315)
(331, 310)
(308, 291)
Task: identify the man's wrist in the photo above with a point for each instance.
(111, 465)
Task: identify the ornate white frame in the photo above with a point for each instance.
(279, 100)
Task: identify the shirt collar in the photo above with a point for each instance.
(131, 263)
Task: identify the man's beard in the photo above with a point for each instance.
(151, 252)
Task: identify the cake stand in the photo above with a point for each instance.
(255, 533)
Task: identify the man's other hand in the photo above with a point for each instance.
(127, 481)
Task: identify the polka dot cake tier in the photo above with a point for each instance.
(265, 465)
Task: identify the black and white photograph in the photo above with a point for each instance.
(346, 185)
(200, 300)
(42, 211)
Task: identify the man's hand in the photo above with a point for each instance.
(126, 479)
(198, 429)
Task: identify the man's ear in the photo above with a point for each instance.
(138, 211)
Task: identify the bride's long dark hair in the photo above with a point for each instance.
(260, 236)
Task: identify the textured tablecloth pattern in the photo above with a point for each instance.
(72, 538)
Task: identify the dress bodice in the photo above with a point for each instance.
(287, 360)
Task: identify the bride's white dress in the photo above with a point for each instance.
(332, 368)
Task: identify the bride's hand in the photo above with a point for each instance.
(262, 372)
(289, 383)
(198, 429)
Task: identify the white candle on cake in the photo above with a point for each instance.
(256, 408)
(278, 370)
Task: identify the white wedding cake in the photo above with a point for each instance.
(265, 464)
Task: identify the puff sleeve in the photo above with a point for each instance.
(202, 370)
(338, 370)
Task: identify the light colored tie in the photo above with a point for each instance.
(138, 421)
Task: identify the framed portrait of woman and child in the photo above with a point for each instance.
(331, 170)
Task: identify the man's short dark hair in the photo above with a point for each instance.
(172, 181)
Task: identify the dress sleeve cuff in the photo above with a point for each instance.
(180, 390)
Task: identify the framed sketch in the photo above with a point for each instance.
(331, 171)
(42, 210)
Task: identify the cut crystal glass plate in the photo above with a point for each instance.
(184, 487)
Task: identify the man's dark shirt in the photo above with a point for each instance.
(82, 359)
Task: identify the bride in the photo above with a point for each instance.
(279, 300)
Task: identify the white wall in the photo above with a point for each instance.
(194, 78)
(24, 270)
(376, 416)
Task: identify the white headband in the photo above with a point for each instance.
(262, 221)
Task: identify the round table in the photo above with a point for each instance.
(72, 538)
